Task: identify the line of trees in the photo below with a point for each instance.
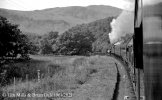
(79, 40)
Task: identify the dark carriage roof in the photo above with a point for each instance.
(124, 43)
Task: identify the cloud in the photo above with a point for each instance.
(2, 3)
(42, 4)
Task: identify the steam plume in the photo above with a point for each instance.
(121, 26)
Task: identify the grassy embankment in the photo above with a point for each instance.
(86, 77)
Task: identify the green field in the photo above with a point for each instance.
(87, 78)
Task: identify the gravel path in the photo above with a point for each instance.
(124, 85)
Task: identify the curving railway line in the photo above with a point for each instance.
(124, 54)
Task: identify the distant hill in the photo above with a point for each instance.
(57, 19)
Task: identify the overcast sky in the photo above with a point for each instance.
(42, 4)
(27, 5)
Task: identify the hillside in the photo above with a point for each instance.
(57, 19)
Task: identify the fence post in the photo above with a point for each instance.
(48, 71)
(38, 73)
(27, 80)
(14, 84)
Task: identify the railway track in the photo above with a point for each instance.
(124, 88)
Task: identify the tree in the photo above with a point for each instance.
(102, 44)
(46, 47)
(79, 43)
(48, 43)
(12, 41)
(53, 35)
(34, 42)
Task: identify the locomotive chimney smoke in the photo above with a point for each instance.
(122, 25)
